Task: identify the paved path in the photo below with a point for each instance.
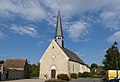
(42, 80)
(87, 80)
(26, 80)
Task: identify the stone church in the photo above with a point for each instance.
(59, 60)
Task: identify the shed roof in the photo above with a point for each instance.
(15, 63)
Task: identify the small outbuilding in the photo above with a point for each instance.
(14, 69)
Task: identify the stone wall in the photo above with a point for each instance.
(76, 67)
(15, 74)
(12, 74)
(84, 69)
(18, 73)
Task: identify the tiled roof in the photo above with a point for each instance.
(73, 56)
(15, 63)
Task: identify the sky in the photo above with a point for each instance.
(27, 27)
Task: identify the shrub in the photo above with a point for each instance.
(87, 74)
(90, 74)
(34, 74)
(63, 77)
(73, 75)
(80, 75)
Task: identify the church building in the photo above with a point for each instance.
(59, 60)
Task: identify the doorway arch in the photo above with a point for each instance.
(53, 71)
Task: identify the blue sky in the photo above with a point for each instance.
(28, 26)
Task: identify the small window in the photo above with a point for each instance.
(73, 67)
(53, 47)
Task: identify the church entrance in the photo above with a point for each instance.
(53, 73)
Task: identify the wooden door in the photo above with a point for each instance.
(53, 73)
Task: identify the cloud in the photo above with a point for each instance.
(27, 9)
(85, 40)
(80, 54)
(111, 15)
(78, 30)
(46, 9)
(40, 44)
(24, 30)
(114, 37)
(100, 11)
(106, 12)
(111, 20)
(70, 7)
(3, 55)
(2, 35)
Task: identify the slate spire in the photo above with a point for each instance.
(59, 25)
(58, 34)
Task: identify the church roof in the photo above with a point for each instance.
(73, 56)
(15, 63)
(59, 26)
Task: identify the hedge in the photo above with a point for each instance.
(73, 75)
(63, 77)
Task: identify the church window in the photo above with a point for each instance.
(53, 47)
(73, 67)
(53, 57)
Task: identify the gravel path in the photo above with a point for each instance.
(42, 80)
(26, 80)
(86, 80)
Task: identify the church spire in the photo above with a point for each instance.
(58, 34)
(59, 26)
